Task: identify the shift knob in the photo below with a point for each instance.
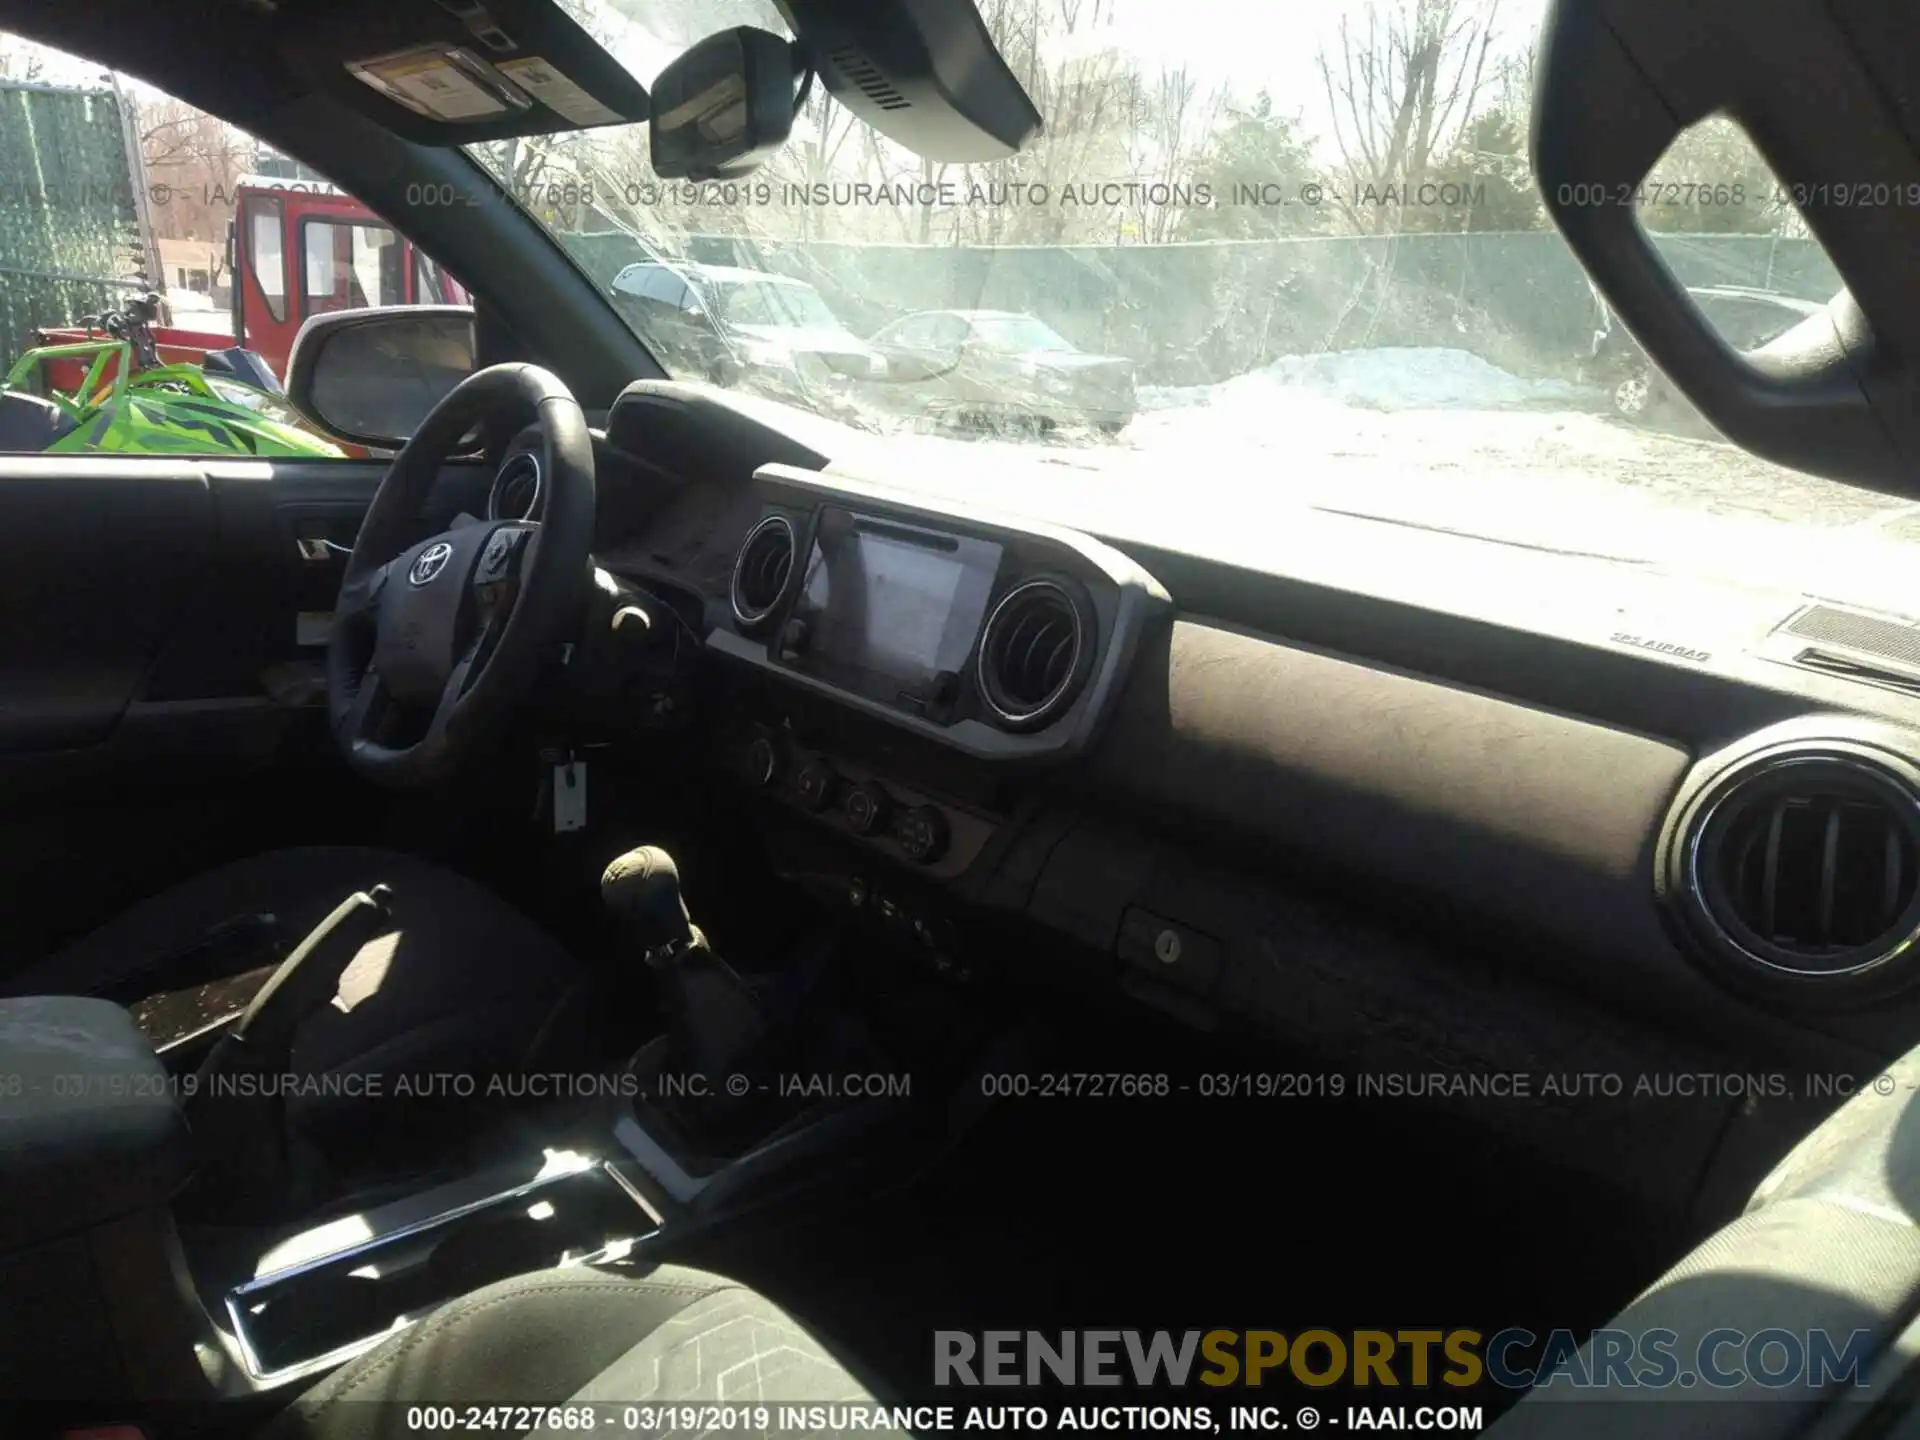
(641, 890)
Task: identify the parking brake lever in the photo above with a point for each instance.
(240, 1129)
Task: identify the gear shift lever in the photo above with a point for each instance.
(715, 1016)
(641, 890)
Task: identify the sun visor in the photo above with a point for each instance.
(457, 71)
(924, 73)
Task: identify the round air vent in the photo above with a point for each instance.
(761, 570)
(1035, 652)
(1800, 865)
(516, 489)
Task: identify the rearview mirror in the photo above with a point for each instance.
(370, 377)
(723, 107)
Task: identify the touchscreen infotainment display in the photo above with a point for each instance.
(890, 607)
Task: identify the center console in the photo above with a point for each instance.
(131, 1285)
(323, 1295)
(891, 665)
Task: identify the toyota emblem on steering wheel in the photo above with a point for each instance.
(429, 563)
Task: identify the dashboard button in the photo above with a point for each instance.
(816, 784)
(1172, 951)
(923, 833)
(866, 809)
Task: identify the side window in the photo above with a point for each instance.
(348, 266)
(266, 224)
(140, 239)
(662, 286)
(949, 332)
(429, 282)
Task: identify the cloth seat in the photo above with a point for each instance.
(581, 1334)
(463, 985)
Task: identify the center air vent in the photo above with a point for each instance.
(1802, 863)
(761, 570)
(516, 489)
(1035, 652)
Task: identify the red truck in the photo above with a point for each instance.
(294, 248)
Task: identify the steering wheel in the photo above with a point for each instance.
(433, 642)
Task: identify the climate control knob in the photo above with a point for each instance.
(761, 763)
(923, 834)
(866, 809)
(815, 784)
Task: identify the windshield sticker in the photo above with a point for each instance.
(429, 83)
(547, 84)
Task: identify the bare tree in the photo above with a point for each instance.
(1402, 86)
(1713, 179)
(1170, 124)
(194, 164)
(812, 158)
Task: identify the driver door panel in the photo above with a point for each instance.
(96, 564)
(161, 705)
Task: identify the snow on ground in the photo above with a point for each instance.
(1442, 439)
(1390, 378)
(192, 310)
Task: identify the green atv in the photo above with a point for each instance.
(129, 403)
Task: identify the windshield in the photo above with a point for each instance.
(757, 302)
(1274, 247)
(1016, 333)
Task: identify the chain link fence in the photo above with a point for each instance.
(70, 234)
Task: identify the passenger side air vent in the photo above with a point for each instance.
(1802, 863)
(1035, 652)
(761, 571)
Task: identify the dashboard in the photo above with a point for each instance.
(1311, 804)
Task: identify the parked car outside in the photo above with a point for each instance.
(754, 329)
(999, 369)
(1745, 318)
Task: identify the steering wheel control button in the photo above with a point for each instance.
(816, 784)
(761, 763)
(866, 809)
(496, 561)
(923, 833)
(1172, 952)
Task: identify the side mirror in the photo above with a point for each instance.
(723, 107)
(369, 377)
